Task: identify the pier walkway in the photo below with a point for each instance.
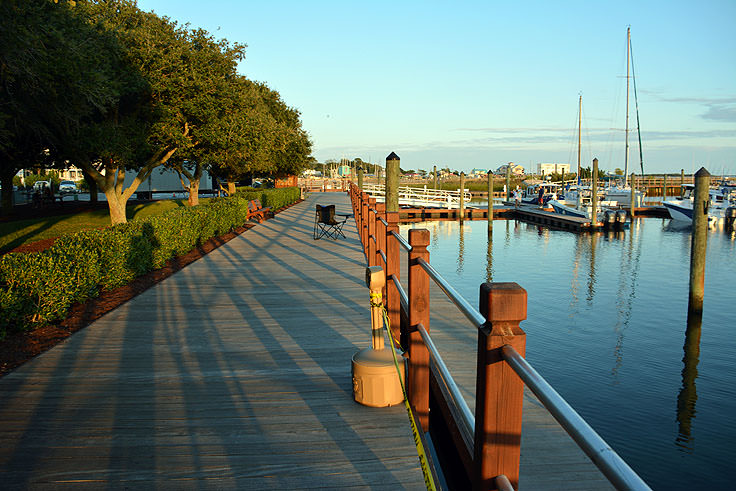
(234, 373)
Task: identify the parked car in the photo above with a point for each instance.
(39, 186)
(67, 187)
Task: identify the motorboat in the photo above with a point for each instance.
(721, 205)
(548, 191)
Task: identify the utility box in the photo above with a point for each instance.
(375, 379)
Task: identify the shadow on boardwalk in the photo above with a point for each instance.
(232, 373)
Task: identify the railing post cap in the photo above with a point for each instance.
(392, 156)
(501, 302)
(419, 237)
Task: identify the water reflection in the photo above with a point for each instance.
(628, 277)
(591, 271)
(688, 394)
(489, 257)
(461, 248)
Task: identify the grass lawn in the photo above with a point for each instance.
(16, 233)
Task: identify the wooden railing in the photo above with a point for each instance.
(479, 450)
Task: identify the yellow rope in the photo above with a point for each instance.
(423, 462)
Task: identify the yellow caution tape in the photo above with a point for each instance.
(428, 478)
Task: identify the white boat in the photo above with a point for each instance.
(546, 191)
(583, 208)
(721, 205)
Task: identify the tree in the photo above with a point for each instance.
(48, 83)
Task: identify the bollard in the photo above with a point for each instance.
(375, 379)
(462, 195)
(499, 391)
(699, 242)
(490, 202)
(392, 182)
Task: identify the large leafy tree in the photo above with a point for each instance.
(48, 82)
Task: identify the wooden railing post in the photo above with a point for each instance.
(418, 386)
(499, 391)
(381, 238)
(364, 220)
(371, 246)
(393, 266)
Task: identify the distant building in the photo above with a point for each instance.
(478, 173)
(516, 169)
(547, 169)
(344, 170)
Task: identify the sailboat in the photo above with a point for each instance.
(622, 194)
(578, 200)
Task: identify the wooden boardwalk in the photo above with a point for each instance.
(234, 373)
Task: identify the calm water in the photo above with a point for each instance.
(607, 327)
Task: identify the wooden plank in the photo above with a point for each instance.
(232, 373)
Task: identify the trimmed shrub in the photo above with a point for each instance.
(39, 287)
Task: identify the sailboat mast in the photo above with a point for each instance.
(580, 130)
(628, 65)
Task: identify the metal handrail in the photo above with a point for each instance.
(463, 305)
(458, 399)
(402, 241)
(603, 456)
(383, 256)
(616, 470)
(403, 297)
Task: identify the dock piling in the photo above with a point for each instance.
(699, 242)
(462, 196)
(633, 194)
(490, 202)
(594, 196)
(392, 182)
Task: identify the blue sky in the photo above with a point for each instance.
(478, 84)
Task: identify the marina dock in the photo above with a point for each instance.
(235, 373)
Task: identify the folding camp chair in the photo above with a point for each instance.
(326, 224)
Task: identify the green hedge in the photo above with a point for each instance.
(38, 288)
(275, 198)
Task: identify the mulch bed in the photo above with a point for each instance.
(17, 348)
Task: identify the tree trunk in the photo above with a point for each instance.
(6, 180)
(230, 188)
(92, 184)
(194, 192)
(117, 204)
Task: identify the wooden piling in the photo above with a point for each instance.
(699, 242)
(462, 196)
(682, 179)
(499, 391)
(490, 202)
(633, 193)
(508, 182)
(392, 182)
(664, 187)
(418, 284)
(435, 177)
(594, 197)
(360, 177)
